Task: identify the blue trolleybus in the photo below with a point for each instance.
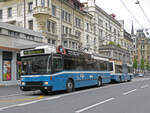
(120, 72)
(48, 69)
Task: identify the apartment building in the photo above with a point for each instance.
(62, 22)
(142, 47)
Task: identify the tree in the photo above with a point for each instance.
(142, 64)
(118, 45)
(147, 65)
(135, 64)
(111, 43)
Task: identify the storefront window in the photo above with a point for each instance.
(6, 70)
(7, 57)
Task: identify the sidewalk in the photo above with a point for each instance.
(8, 90)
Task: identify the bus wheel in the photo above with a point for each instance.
(46, 92)
(99, 82)
(69, 85)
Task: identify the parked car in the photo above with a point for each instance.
(140, 75)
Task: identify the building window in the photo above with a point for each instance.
(62, 14)
(36, 3)
(7, 58)
(30, 7)
(66, 16)
(87, 26)
(1, 14)
(43, 3)
(87, 39)
(78, 33)
(73, 45)
(77, 22)
(30, 22)
(51, 27)
(9, 12)
(49, 41)
(13, 33)
(54, 42)
(65, 43)
(53, 10)
(100, 22)
(19, 10)
(94, 41)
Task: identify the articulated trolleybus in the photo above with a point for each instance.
(48, 69)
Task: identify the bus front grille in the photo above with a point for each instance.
(34, 83)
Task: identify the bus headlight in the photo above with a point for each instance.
(23, 83)
(45, 83)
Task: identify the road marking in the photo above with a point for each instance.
(144, 86)
(28, 103)
(94, 105)
(126, 93)
(19, 100)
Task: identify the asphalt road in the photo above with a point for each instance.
(130, 97)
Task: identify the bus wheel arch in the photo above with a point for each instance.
(99, 81)
(70, 85)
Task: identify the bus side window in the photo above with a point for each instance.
(57, 64)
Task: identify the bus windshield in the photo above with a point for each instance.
(36, 65)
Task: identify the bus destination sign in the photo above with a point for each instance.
(33, 52)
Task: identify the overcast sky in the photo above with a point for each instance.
(116, 7)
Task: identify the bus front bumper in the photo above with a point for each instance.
(31, 88)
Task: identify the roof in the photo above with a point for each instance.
(19, 29)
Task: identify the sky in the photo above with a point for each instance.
(117, 7)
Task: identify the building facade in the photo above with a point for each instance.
(142, 48)
(62, 22)
(12, 39)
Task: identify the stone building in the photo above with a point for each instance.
(142, 47)
(105, 27)
(62, 22)
(12, 38)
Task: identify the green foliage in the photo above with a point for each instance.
(112, 43)
(135, 64)
(142, 64)
(118, 45)
(147, 66)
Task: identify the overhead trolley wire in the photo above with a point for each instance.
(143, 11)
(131, 13)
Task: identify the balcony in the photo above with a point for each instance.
(72, 37)
(41, 11)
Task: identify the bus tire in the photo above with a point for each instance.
(99, 82)
(69, 86)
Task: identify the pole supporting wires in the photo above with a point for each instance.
(131, 13)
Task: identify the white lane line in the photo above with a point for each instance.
(28, 103)
(94, 105)
(126, 93)
(144, 86)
